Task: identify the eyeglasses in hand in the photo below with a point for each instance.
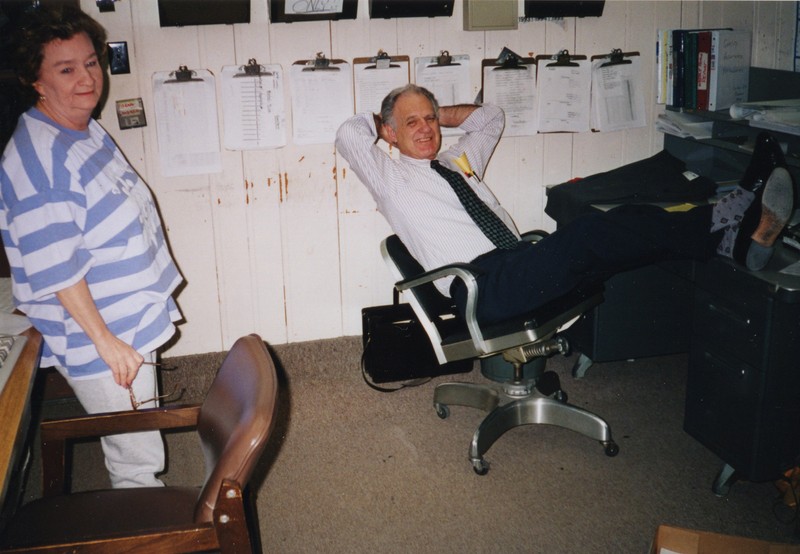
(136, 403)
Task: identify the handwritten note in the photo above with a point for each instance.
(617, 96)
(313, 7)
(321, 101)
(514, 90)
(564, 97)
(253, 108)
(186, 124)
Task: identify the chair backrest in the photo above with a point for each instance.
(437, 313)
(236, 419)
(433, 302)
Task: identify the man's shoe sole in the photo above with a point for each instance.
(776, 207)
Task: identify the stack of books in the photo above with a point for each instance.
(702, 69)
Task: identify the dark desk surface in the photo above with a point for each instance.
(15, 407)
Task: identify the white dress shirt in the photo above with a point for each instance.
(419, 205)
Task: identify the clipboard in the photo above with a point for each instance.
(374, 77)
(254, 114)
(617, 91)
(322, 98)
(615, 57)
(446, 76)
(509, 82)
(188, 138)
(563, 93)
(320, 63)
(182, 75)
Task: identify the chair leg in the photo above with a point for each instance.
(536, 410)
(472, 395)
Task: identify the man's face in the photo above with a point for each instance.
(417, 134)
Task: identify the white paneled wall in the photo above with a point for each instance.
(285, 242)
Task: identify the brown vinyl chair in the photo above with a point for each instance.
(233, 424)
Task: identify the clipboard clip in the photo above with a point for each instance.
(182, 75)
(382, 61)
(562, 59)
(509, 60)
(253, 69)
(443, 60)
(616, 57)
(320, 63)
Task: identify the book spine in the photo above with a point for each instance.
(679, 67)
(703, 60)
(713, 71)
(670, 66)
(661, 68)
(690, 71)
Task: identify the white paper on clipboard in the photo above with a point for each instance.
(186, 123)
(321, 101)
(373, 80)
(449, 82)
(254, 115)
(514, 90)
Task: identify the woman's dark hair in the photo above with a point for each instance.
(43, 25)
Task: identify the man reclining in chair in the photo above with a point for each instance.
(438, 224)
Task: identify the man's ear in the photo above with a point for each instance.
(388, 134)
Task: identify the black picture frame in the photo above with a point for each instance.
(277, 11)
(184, 13)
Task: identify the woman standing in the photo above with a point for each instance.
(90, 265)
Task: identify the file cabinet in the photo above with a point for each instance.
(743, 385)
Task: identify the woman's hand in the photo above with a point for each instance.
(121, 358)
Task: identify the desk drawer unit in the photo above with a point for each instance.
(743, 386)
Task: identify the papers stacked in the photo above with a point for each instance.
(777, 115)
(684, 125)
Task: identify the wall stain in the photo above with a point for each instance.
(301, 159)
(280, 187)
(286, 185)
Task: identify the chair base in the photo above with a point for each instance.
(520, 406)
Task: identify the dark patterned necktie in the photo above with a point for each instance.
(488, 222)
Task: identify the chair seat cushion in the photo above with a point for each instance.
(97, 514)
(555, 310)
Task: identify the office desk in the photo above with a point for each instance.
(743, 388)
(15, 411)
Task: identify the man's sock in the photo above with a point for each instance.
(727, 214)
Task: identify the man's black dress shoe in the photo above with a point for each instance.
(767, 155)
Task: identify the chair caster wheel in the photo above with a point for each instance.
(481, 466)
(561, 396)
(611, 448)
(442, 410)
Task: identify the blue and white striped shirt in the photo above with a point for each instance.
(72, 208)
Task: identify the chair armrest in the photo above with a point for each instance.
(113, 423)
(56, 433)
(468, 274)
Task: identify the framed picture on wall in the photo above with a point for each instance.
(290, 11)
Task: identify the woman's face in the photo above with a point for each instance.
(70, 81)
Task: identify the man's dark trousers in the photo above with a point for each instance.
(590, 249)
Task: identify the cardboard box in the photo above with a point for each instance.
(675, 540)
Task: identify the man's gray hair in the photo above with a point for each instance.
(387, 106)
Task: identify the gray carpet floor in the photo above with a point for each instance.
(350, 469)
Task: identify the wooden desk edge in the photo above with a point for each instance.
(15, 405)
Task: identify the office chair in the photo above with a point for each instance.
(234, 423)
(531, 337)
